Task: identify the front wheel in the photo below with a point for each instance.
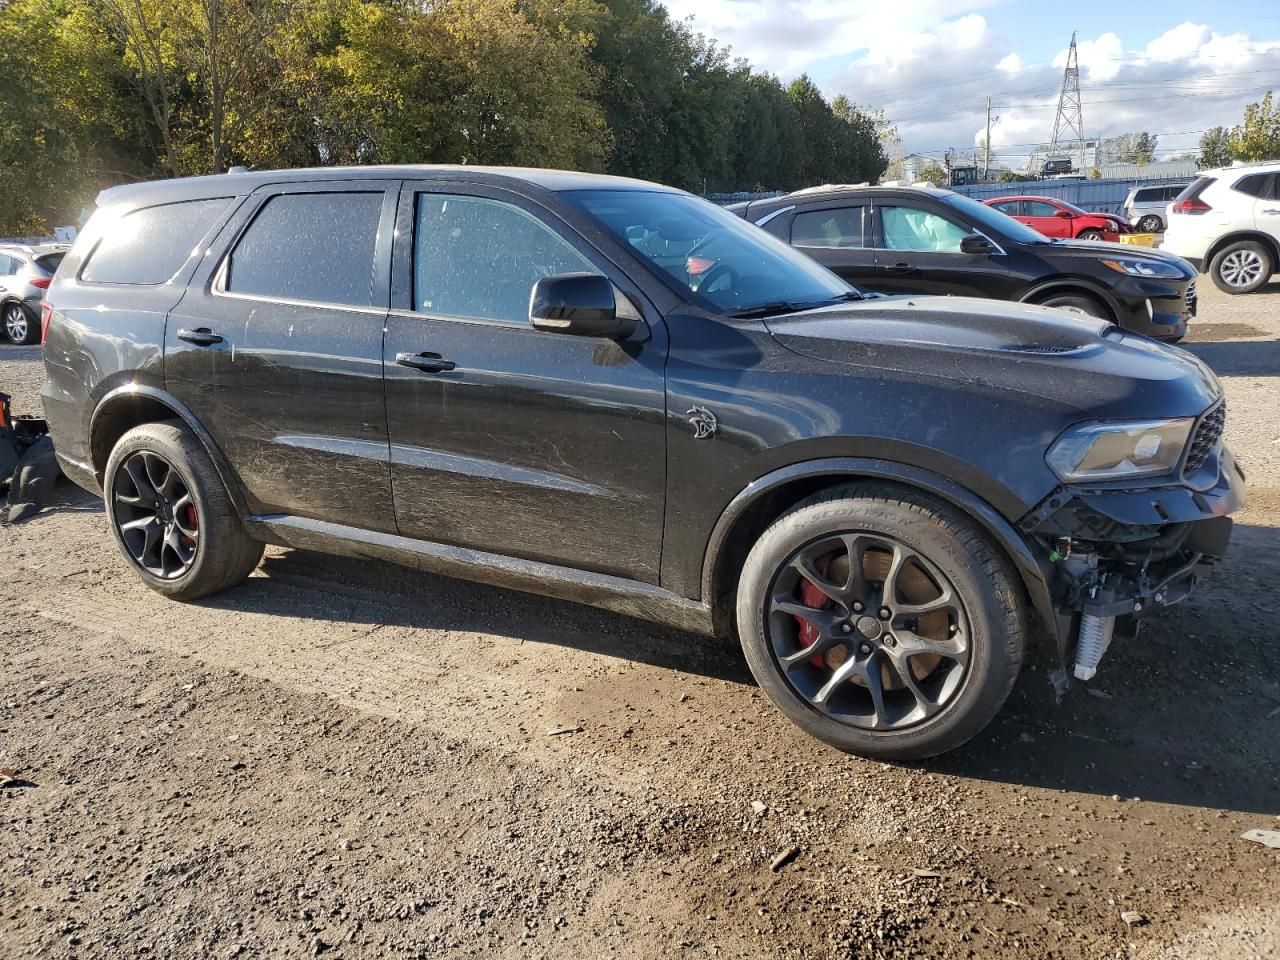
(1089, 235)
(18, 325)
(171, 515)
(1077, 303)
(1241, 267)
(881, 622)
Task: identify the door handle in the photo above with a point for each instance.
(200, 336)
(426, 362)
(901, 268)
(1271, 210)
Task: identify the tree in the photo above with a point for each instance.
(933, 173)
(1258, 137)
(1144, 147)
(1215, 148)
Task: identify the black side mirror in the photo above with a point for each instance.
(579, 304)
(977, 245)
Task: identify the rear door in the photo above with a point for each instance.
(504, 438)
(837, 236)
(918, 251)
(277, 347)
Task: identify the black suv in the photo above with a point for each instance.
(620, 394)
(926, 240)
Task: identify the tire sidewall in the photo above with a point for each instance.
(32, 328)
(1067, 302)
(170, 442)
(1268, 267)
(992, 621)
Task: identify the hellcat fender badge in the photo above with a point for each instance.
(703, 420)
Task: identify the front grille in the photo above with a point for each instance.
(1207, 436)
(1191, 294)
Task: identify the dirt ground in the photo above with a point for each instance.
(347, 759)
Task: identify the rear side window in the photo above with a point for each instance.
(316, 247)
(1196, 187)
(828, 228)
(1171, 193)
(1149, 195)
(49, 262)
(1260, 185)
(149, 246)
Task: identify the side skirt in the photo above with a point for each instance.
(618, 594)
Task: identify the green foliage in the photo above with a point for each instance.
(933, 173)
(1258, 137)
(1139, 148)
(100, 91)
(1215, 148)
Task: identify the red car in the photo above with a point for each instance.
(1057, 218)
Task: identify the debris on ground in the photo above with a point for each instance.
(1268, 838)
(561, 731)
(785, 857)
(1133, 918)
(759, 808)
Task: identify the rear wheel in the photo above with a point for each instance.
(19, 326)
(1089, 234)
(171, 515)
(881, 622)
(1241, 267)
(1150, 224)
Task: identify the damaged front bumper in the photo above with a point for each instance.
(1114, 555)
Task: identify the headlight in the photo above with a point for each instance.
(1109, 451)
(1144, 268)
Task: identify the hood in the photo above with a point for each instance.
(990, 346)
(1095, 249)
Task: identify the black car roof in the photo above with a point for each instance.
(241, 183)
(822, 194)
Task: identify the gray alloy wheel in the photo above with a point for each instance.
(1090, 235)
(155, 515)
(1241, 267)
(1072, 303)
(1150, 224)
(868, 631)
(17, 324)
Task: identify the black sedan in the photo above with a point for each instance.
(924, 240)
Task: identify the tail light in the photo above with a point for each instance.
(46, 314)
(697, 266)
(1191, 205)
(41, 282)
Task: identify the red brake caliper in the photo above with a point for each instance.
(811, 596)
(193, 521)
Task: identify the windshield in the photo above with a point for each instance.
(722, 260)
(989, 218)
(1072, 207)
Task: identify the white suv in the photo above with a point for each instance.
(1227, 223)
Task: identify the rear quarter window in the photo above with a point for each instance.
(1150, 195)
(150, 245)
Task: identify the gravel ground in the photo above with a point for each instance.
(346, 759)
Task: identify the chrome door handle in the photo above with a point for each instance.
(1271, 210)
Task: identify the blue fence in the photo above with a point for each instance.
(1100, 196)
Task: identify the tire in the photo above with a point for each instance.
(1089, 234)
(19, 326)
(194, 546)
(985, 614)
(1242, 267)
(1077, 303)
(1150, 224)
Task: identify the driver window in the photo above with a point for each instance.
(909, 228)
(1038, 208)
(476, 257)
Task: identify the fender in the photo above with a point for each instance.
(1067, 284)
(132, 391)
(1266, 240)
(1031, 569)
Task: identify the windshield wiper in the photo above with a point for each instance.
(768, 310)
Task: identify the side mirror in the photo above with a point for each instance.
(579, 304)
(977, 245)
(1065, 215)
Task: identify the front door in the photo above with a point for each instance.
(836, 236)
(1043, 218)
(277, 347)
(506, 439)
(919, 252)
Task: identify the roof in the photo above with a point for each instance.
(37, 249)
(240, 183)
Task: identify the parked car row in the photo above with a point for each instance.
(621, 394)
(925, 240)
(25, 274)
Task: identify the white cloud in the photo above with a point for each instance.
(1010, 64)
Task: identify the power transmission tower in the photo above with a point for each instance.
(1068, 125)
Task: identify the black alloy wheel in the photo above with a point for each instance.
(155, 515)
(868, 631)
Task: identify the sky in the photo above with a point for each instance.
(1171, 68)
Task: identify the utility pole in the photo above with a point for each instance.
(986, 144)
